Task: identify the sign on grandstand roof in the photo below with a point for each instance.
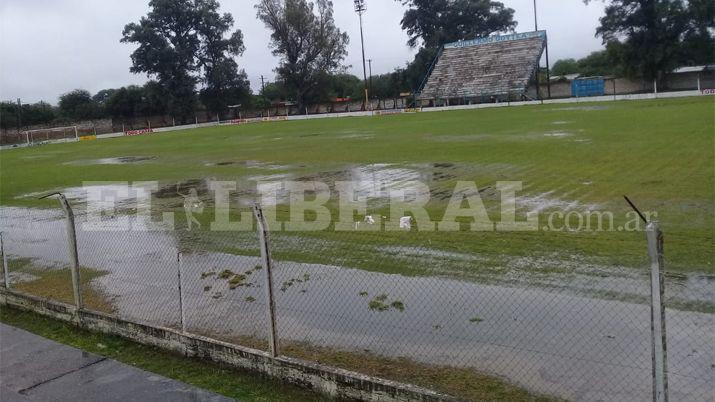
(495, 39)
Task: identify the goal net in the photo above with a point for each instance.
(49, 135)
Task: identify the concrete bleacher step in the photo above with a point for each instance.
(498, 68)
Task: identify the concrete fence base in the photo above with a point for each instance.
(327, 380)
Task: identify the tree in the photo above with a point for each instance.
(136, 101)
(102, 96)
(602, 62)
(564, 67)
(698, 45)
(224, 85)
(38, 113)
(390, 85)
(178, 41)
(343, 85)
(304, 36)
(126, 102)
(30, 114)
(156, 100)
(275, 92)
(436, 22)
(652, 37)
(78, 105)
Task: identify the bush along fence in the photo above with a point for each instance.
(259, 302)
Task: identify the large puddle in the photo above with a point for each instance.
(552, 342)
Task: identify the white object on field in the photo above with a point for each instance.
(369, 220)
(406, 222)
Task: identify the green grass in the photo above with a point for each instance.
(658, 152)
(230, 382)
(56, 283)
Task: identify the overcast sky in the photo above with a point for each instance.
(48, 47)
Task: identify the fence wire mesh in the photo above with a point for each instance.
(394, 304)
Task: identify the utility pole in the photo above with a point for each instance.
(263, 84)
(360, 8)
(369, 63)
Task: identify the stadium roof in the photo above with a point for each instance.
(492, 65)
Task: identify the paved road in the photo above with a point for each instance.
(33, 368)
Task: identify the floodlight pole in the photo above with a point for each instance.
(360, 8)
(369, 64)
(538, 63)
(548, 69)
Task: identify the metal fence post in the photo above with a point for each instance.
(5, 271)
(72, 244)
(181, 293)
(264, 239)
(657, 312)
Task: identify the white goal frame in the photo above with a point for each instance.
(30, 133)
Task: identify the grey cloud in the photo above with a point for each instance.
(51, 47)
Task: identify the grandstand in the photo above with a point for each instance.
(495, 67)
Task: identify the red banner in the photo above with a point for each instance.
(139, 132)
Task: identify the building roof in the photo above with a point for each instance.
(567, 77)
(694, 69)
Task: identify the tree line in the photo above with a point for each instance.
(189, 50)
(648, 38)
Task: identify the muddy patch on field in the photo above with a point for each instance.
(121, 160)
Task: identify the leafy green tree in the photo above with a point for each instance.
(602, 62)
(391, 85)
(126, 102)
(652, 37)
(224, 84)
(564, 67)
(29, 115)
(156, 99)
(102, 96)
(38, 113)
(698, 44)
(436, 22)
(344, 85)
(9, 112)
(183, 42)
(304, 36)
(275, 92)
(78, 105)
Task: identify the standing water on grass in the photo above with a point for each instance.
(569, 344)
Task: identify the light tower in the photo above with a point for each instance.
(548, 69)
(360, 8)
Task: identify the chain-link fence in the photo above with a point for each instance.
(416, 307)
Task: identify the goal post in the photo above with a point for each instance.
(50, 135)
